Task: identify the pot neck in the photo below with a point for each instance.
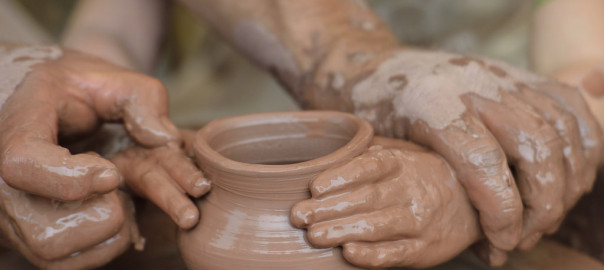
(323, 139)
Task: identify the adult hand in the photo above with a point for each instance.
(74, 235)
(165, 176)
(72, 95)
(395, 205)
(480, 115)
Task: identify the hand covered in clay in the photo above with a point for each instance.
(395, 205)
(479, 115)
(165, 176)
(62, 93)
(68, 235)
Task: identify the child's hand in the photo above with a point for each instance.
(395, 205)
(165, 176)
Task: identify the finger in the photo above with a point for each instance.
(157, 187)
(590, 130)
(95, 256)
(129, 209)
(408, 252)
(568, 130)
(535, 148)
(390, 223)
(482, 169)
(48, 227)
(360, 200)
(31, 161)
(75, 117)
(530, 241)
(141, 101)
(188, 137)
(489, 254)
(183, 171)
(153, 182)
(56, 174)
(367, 168)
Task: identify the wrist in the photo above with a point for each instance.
(344, 64)
(341, 83)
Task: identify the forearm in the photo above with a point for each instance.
(316, 48)
(568, 34)
(123, 32)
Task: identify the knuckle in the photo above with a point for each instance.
(412, 226)
(566, 120)
(509, 208)
(484, 155)
(506, 213)
(156, 87)
(548, 139)
(552, 212)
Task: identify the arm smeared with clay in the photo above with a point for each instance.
(478, 114)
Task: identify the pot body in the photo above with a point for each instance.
(260, 166)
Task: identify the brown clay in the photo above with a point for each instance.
(260, 165)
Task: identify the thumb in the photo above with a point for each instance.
(140, 101)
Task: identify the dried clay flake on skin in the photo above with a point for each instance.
(16, 62)
(433, 85)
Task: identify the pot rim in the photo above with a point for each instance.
(207, 156)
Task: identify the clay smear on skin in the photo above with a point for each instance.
(433, 85)
(15, 63)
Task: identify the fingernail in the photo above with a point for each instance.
(105, 180)
(300, 218)
(201, 186)
(187, 217)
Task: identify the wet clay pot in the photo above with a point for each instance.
(260, 165)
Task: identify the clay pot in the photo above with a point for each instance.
(260, 166)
